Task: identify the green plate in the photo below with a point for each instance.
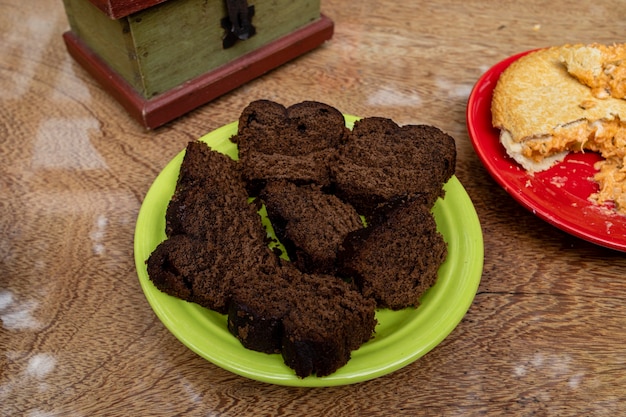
(401, 337)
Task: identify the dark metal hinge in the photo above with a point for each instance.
(238, 23)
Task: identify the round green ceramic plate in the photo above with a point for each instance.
(401, 337)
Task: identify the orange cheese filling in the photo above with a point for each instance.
(612, 81)
(608, 138)
(611, 177)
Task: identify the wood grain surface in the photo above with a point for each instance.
(545, 335)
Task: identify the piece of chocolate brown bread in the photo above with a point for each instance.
(397, 259)
(196, 271)
(172, 264)
(383, 164)
(294, 143)
(209, 222)
(257, 309)
(209, 189)
(314, 320)
(330, 319)
(310, 223)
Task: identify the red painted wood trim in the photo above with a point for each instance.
(116, 9)
(165, 107)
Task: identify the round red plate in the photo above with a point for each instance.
(559, 195)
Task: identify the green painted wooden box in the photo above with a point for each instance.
(163, 58)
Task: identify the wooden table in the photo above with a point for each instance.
(545, 335)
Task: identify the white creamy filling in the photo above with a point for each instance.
(514, 150)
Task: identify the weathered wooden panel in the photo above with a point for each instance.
(182, 39)
(110, 39)
(160, 109)
(161, 47)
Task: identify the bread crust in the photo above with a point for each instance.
(600, 67)
(536, 97)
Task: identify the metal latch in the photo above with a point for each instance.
(238, 23)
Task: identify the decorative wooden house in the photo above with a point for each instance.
(163, 58)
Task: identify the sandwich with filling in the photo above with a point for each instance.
(544, 112)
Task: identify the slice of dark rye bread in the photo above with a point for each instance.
(330, 319)
(397, 259)
(309, 223)
(209, 215)
(383, 164)
(208, 184)
(294, 143)
(313, 320)
(203, 272)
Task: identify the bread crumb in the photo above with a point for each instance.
(587, 104)
(558, 181)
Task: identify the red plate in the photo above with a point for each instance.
(559, 195)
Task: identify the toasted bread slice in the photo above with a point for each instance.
(600, 67)
(544, 113)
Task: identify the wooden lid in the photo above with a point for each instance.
(116, 9)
